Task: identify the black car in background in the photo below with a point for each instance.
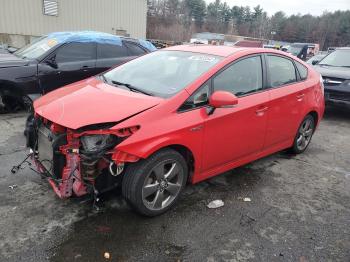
(335, 70)
(59, 59)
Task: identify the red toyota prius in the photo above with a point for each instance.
(172, 117)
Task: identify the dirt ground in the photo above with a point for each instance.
(299, 210)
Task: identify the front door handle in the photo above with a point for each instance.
(196, 128)
(85, 68)
(300, 97)
(261, 111)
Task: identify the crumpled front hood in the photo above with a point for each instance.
(10, 60)
(333, 71)
(91, 102)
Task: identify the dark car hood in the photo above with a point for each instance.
(333, 71)
(91, 102)
(10, 60)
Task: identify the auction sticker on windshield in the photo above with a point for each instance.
(202, 58)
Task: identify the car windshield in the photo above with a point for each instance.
(37, 48)
(161, 73)
(339, 58)
(295, 49)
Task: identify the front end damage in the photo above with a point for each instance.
(78, 162)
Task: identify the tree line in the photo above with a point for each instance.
(177, 20)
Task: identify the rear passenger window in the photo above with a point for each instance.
(134, 50)
(110, 51)
(241, 78)
(282, 71)
(74, 52)
(302, 70)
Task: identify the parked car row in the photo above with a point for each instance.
(59, 59)
(171, 117)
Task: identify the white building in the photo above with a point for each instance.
(23, 20)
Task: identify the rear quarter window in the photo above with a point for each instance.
(134, 50)
(302, 70)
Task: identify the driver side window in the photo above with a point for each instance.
(198, 99)
(241, 78)
(76, 52)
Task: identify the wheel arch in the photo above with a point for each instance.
(189, 148)
(187, 153)
(314, 114)
(10, 87)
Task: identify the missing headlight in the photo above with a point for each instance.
(97, 143)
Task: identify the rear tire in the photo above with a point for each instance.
(153, 185)
(304, 135)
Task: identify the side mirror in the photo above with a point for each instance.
(222, 99)
(51, 62)
(315, 62)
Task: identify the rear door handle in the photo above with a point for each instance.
(261, 111)
(300, 97)
(85, 68)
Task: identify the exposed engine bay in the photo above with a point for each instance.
(77, 162)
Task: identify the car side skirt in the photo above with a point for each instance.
(223, 168)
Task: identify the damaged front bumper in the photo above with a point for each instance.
(71, 180)
(76, 162)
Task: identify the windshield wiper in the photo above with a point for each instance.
(131, 88)
(104, 79)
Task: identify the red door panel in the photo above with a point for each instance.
(233, 133)
(286, 107)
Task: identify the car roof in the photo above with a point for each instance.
(208, 49)
(81, 35)
(94, 36)
(223, 51)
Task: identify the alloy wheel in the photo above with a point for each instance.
(305, 133)
(162, 185)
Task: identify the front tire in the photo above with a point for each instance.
(153, 185)
(304, 135)
(10, 103)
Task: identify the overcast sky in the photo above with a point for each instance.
(314, 7)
